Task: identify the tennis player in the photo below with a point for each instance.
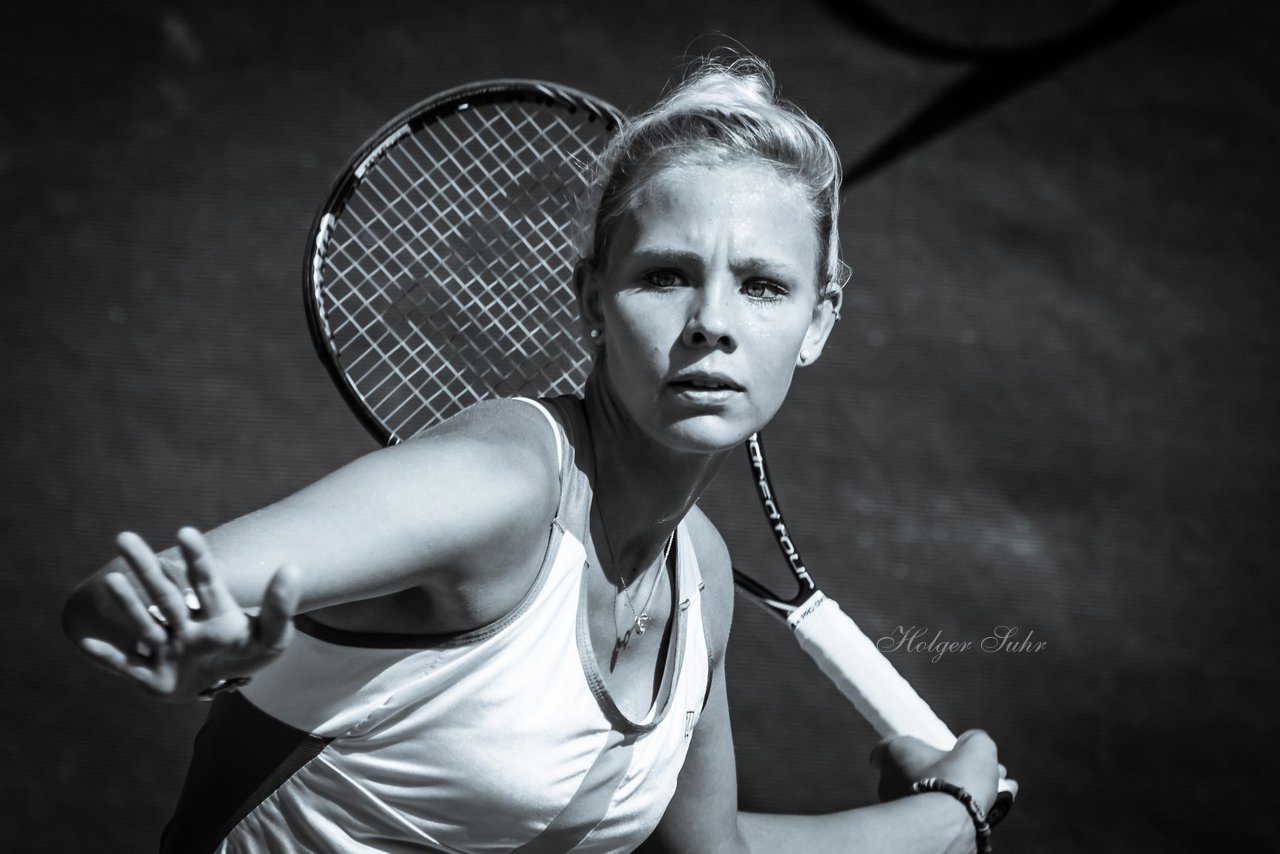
(509, 633)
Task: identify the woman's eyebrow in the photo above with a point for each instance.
(667, 255)
(685, 258)
(766, 266)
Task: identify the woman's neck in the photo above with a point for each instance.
(642, 487)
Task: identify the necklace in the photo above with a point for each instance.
(623, 641)
(640, 618)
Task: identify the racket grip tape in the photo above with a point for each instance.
(867, 679)
(860, 670)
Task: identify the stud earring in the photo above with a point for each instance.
(804, 357)
(594, 334)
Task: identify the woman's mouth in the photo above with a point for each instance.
(705, 388)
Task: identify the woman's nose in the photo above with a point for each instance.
(710, 321)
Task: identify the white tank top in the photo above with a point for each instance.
(503, 739)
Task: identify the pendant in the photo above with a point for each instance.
(619, 646)
(641, 623)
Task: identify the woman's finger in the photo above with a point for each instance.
(119, 661)
(176, 571)
(978, 741)
(891, 748)
(105, 654)
(213, 595)
(279, 602)
(149, 631)
(163, 592)
(907, 750)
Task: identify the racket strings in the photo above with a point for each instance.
(465, 215)
(452, 260)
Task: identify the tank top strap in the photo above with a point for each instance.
(575, 490)
(692, 584)
(556, 431)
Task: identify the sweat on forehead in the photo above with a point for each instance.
(670, 174)
(699, 218)
(724, 114)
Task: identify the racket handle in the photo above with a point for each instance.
(877, 690)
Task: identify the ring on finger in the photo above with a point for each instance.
(188, 596)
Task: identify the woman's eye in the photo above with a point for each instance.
(763, 289)
(664, 278)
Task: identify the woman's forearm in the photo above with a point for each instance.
(921, 824)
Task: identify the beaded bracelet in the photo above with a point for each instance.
(981, 828)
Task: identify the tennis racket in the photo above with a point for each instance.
(437, 275)
(849, 658)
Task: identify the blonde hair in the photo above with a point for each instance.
(725, 112)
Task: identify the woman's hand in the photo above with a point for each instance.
(971, 765)
(188, 641)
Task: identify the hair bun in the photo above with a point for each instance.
(720, 86)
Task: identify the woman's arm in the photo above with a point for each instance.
(704, 817)
(457, 513)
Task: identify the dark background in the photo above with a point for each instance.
(1052, 403)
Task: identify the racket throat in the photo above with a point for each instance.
(769, 504)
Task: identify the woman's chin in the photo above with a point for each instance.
(704, 434)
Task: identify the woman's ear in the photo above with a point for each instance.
(586, 284)
(815, 337)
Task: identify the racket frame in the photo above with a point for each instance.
(781, 607)
(430, 110)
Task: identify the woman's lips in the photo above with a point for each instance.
(705, 390)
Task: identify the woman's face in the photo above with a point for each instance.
(706, 300)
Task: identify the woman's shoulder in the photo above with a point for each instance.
(467, 484)
(466, 506)
(507, 430)
(494, 445)
(499, 458)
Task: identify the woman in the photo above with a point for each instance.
(509, 634)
